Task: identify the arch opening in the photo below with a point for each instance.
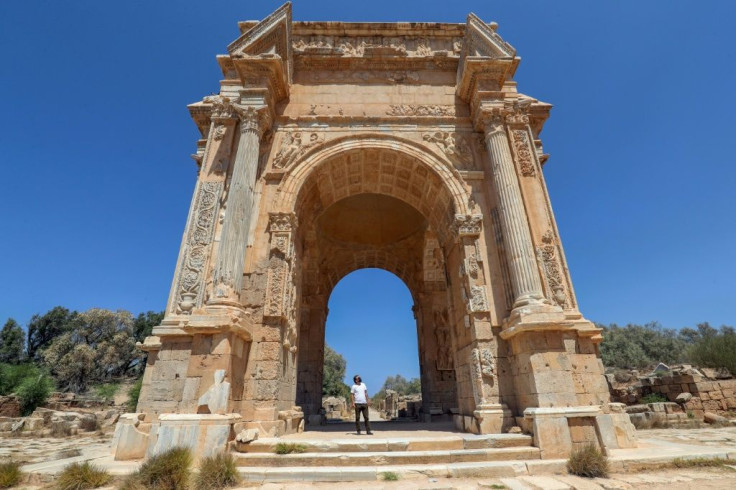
(376, 209)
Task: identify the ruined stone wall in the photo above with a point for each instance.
(706, 395)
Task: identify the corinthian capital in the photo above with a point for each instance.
(252, 118)
(468, 225)
(222, 107)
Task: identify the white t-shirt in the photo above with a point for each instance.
(360, 392)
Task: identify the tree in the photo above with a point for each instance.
(42, 330)
(144, 323)
(11, 342)
(99, 345)
(333, 374)
(715, 348)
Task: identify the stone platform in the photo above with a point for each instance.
(445, 461)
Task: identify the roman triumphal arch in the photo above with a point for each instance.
(336, 146)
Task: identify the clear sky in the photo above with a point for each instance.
(97, 179)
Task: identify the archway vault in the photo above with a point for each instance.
(374, 163)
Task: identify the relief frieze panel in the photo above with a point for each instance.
(190, 288)
(295, 144)
(367, 46)
(523, 152)
(553, 276)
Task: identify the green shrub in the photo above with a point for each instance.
(216, 472)
(170, 470)
(389, 476)
(716, 350)
(133, 394)
(589, 462)
(10, 474)
(653, 398)
(81, 476)
(11, 376)
(290, 447)
(33, 392)
(107, 391)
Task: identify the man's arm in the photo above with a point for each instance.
(352, 400)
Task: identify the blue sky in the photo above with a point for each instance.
(97, 178)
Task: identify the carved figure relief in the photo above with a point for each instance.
(220, 130)
(444, 344)
(524, 158)
(196, 250)
(482, 366)
(293, 146)
(454, 146)
(550, 265)
(477, 301)
(278, 291)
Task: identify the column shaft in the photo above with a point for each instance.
(526, 283)
(234, 240)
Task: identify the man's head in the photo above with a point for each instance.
(356, 379)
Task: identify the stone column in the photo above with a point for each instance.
(228, 277)
(525, 279)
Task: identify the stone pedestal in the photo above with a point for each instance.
(493, 419)
(559, 431)
(204, 434)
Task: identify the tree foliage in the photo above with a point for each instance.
(43, 329)
(32, 384)
(98, 346)
(400, 385)
(333, 374)
(641, 346)
(144, 323)
(715, 348)
(11, 342)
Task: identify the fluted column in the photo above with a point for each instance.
(525, 279)
(228, 277)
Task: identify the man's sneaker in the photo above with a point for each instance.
(369, 433)
(358, 433)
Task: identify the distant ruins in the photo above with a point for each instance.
(335, 146)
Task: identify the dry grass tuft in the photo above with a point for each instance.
(170, 470)
(10, 474)
(81, 476)
(216, 472)
(588, 462)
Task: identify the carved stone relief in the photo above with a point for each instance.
(468, 225)
(420, 110)
(481, 366)
(455, 146)
(294, 145)
(550, 265)
(477, 302)
(524, 157)
(367, 46)
(444, 344)
(279, 293)
(197, 248)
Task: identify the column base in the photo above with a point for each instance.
(493, 418)
(545, 317)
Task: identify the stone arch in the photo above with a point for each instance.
(424, 161)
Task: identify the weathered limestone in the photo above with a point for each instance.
(332, 147)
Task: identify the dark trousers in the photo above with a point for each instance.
(362, 407)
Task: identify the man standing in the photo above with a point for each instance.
(359, 401)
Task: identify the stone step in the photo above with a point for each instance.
(378, 444)
(487, 469)
(381, 458)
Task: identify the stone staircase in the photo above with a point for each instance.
(360, 458)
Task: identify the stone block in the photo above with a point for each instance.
(552, 437)
(607, 431)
